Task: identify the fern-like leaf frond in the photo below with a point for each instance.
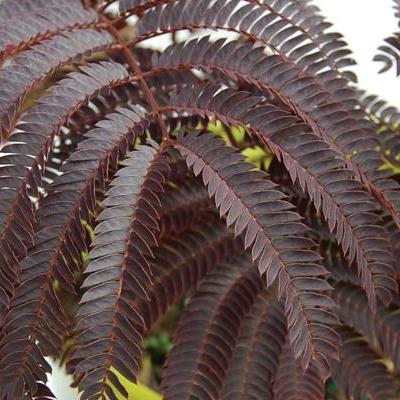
(349, 210)
(27, 23)
(59, 241)
(381, 328)
(329, 113)
(238, 175)
(22, 169)
(48, 56)
(257, 209)
(361, 373)
(293, 383)
(109, 326)
(256, 356)
(294, 32)
(207, 333)
(183, 206)
(200, 250)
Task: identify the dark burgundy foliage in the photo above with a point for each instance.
(119, 198)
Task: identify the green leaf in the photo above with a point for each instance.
(136, 391)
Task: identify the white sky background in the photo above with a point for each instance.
(364, 24)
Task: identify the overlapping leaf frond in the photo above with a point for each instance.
(118, 200)
(291, 382)
(176, 273)
(183, 205)
(328, 112)
(387, 121)
(281, 26)
(28, 147)
(119, 273)
(16, 80)
(361, 372)
(256, 356)
(333, 258)
(381, 329)
(60, 238)
(207, 333)
(28, 22)
(276, 236)
(348, 209)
